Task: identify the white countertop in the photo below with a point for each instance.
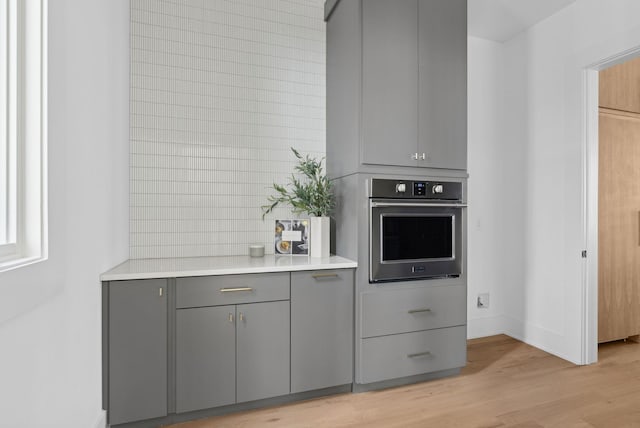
(203, 266)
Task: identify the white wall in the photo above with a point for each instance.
(50, 347)
(543, 125)
(220, 91)
(486, 222)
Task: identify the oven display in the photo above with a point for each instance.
(419, 188)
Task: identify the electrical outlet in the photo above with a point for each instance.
(483, 300)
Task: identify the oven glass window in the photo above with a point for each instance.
(417, 237)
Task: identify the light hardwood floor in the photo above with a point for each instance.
(506, 383)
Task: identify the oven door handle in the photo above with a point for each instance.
(415, 204)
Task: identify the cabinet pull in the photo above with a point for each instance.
(160, 291)
(414, 156)
(324, 275)
(419, 354)
(417, 311)
(423, 156)
(230, 317)
(241, 316)
(232, 290)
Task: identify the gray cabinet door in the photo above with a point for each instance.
(205, 357)
(389, 82)
(442, 133)
(321, 329)
(137, 350)
(263, 350)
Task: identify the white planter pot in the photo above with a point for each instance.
(319, 237)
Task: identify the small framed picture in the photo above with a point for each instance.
(292, 237)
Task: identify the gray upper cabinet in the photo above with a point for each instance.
(137, 350)
(390, 82)
(205, 357)
(321, 329)
(408, 92)
(442, 128)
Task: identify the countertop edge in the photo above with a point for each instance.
(325, 264)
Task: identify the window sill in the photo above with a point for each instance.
(21, 262)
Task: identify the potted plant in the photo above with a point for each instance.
(309, 192)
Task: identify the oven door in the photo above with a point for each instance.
(412, 240)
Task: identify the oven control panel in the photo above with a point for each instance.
(416, 189)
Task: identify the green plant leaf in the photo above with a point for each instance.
(311, 193)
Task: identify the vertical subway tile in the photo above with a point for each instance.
(220, 91)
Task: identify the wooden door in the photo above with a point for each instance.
(619, 226)
(620, 86)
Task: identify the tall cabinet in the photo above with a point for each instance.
(397, 107)
(619, 203)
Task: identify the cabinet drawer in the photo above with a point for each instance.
(231, 289)
(403, 311)
(409, 354)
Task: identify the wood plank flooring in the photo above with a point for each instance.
(506, 383)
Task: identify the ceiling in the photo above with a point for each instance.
(500, 20)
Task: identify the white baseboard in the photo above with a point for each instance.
(538, 337)
(483, 327)
(101, 422)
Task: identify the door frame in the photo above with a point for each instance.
(589, 351)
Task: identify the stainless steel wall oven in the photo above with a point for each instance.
(415, 229)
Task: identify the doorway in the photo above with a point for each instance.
(612, 211)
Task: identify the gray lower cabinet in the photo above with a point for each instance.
(137, 350)
(231, 354)
(262, 334)
(188, 344)
(421, 308)
(321, 329)
(205, 357)
(408, 354)
(411, 331)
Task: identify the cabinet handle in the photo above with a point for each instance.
(423, 156)
(414, 156)
(160, 291)
(230, 317)
(417, 311)
(419, 354)
(324, 275)
(241, 316)
(232, 290)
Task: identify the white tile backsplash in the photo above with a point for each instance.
(220, 91)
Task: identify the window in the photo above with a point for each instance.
(22, 132)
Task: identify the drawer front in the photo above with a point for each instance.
(409, 354)
(231, 289)
(403, 311)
